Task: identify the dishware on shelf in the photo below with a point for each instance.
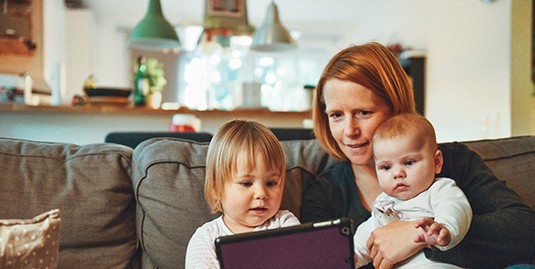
(108, 96)
(108, 91)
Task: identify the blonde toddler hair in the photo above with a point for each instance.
(232, 138)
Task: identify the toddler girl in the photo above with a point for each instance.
(245, 171)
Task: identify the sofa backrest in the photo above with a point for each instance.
(169, 181)
(94, 186)
(512, 160)
(89, 184)
(132, 139)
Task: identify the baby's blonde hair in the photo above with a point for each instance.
(232, 138)
(405, 124)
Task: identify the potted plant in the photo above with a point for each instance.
(151, 70)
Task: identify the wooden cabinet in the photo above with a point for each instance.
(16, 45)
(16, 27)
(414, 66)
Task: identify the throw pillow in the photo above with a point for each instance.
(32, 243)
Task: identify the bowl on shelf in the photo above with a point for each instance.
(108, 91)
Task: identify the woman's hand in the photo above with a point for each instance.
(393, 243)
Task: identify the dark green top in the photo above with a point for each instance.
(503, 226)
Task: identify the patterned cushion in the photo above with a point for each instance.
(31, 243)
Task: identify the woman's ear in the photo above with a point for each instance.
(439, 161)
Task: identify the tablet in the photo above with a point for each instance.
(325, 245)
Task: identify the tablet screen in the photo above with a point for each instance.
(325, 245)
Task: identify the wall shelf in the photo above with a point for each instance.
(118, 110)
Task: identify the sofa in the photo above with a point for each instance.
(137, 208)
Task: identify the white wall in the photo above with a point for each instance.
(92, 127)
(54, 39)
(467, 42)
(80, 49)
(468, 59)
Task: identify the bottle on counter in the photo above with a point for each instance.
(141, 83)
(27, 83)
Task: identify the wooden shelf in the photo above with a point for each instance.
(16, 45)
(90, 124)
(22, 108)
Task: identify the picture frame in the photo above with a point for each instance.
(228, 8)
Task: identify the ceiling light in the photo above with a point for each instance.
(272, 35)
(154, 32)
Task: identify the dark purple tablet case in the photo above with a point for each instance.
(322, 245)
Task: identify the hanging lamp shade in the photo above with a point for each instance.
(154, 32)
(272, 35)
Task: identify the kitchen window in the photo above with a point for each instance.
(225, 78)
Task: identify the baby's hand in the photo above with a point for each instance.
(434, 232)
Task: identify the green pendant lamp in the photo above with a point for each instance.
(272, 35)
(154, 32)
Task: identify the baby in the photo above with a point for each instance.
(407, 158)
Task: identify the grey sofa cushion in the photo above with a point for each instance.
(512, 160)
(168, 183)
(90, 185)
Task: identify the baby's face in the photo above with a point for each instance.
(406, 166)
(252, 196)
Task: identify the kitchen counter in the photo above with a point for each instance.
(90, 124)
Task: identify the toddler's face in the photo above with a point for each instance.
(252, 196)
(405, 165)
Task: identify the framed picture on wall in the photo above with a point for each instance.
(225, 15)
(233, 8)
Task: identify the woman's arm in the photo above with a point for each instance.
(333, 195)
(502, 230)
(319, 202)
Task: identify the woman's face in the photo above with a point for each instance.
(354, 113)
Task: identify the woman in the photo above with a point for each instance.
(360, 88)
